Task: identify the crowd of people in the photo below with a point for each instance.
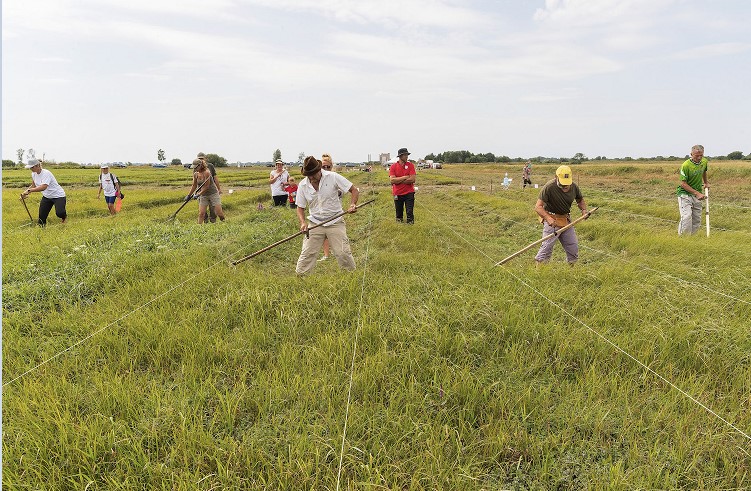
(321, 189)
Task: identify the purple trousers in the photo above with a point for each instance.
(568, 240)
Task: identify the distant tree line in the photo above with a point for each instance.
(467, 157)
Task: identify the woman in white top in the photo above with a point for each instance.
(278, 179)
(42, 181)
(111, 186)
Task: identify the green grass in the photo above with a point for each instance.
(188, 373)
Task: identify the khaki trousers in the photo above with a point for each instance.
(311, 246)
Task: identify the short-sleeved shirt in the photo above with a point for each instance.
(277, 187)
(556, 201)
(693, 174)
(292, 191)
(398, 169)
(108, 182)
(324, 203)
(54, 190)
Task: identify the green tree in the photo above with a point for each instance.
(737, 155)
(176, 162)
(277, 155)
(216, 160)
(579, 157)
(8, 163)
(20, 153)
(160, 155)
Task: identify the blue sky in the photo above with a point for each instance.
(113, 80)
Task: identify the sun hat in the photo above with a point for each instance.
(402, 151)
(31, 163)
(311, 166)
(279, 161)
(563, 173)
(196, 163)
(201, 155)
(104, 166)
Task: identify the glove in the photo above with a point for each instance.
(187, 198)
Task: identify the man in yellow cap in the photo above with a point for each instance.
(554, 208)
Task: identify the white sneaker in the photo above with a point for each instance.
(323, 258)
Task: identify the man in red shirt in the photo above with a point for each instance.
(402, 176)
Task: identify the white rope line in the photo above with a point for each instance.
(621, 350)
(140, 307)
(633, 263)
(354, 353)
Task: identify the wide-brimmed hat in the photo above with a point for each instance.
(311, 166)
(279, 161)
(31, 163)
(401, 152)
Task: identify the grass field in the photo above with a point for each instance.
(136, 357)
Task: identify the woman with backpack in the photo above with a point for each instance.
(111, 186)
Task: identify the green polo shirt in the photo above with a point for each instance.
(693, 174)
(558, 202)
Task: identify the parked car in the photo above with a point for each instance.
(120, 164)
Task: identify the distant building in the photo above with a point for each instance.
(384, 158)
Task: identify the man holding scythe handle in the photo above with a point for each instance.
(319, 193)
(554, 208)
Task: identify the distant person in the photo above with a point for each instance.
(211, 213)
(327, 163)
(42, 181)
(110, 185)
(506, 181)
(554, 208)
(318, 192)
(208, 194)
(526, 175)
(690, 191)
(278, 179)
(402, 176)
(291, 189)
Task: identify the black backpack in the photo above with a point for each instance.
(115, 179)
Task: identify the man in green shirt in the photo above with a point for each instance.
(693, 183)
(554, 207)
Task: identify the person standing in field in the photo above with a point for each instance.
(291, 189)
(319, 193)
(693, 175)
(554, 208)
(402, 176)
(211, 213)
(277, 180)
(327, 163)
(110, 185)
(42, 181)
(526, 175)
(209, 194)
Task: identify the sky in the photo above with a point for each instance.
(94, 81)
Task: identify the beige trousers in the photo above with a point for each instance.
(337, 235)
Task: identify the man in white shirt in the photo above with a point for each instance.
(319, 193)
(42, 181)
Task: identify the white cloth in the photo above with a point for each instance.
(277, 187)
(108, 182)
(54, 190)
(324, 203)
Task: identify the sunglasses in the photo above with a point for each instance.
(327, 167)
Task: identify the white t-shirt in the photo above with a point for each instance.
(277, 187)
(108, 182)
(54, 190)
(326, 202)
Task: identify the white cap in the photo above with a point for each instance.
(31, 163)
(104, 166)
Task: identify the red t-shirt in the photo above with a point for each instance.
(398, 169)
(292, 191)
